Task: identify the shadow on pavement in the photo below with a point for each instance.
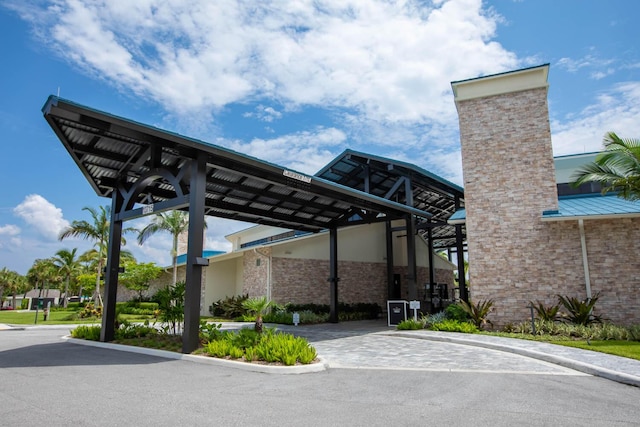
(67, 354)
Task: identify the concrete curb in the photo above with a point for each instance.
(576, 365)
(252, 367)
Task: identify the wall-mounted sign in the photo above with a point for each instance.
(297, 176)
(147, 209)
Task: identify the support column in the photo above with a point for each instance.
(432, 270)
(389, 242)
(333, 275)
(195, 262)
(107, 332)
(412, 270)
(462, 280)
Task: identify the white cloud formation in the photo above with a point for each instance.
(9, 230)
(389, 60)
(615, 110)
(305, 151)
(266, 114)
(42, 215)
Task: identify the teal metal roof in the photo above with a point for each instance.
(592, 207)
(579, 207)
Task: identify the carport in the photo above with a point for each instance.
(146, 170)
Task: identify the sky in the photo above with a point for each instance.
(292, 82)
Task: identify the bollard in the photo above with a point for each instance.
(533, 322)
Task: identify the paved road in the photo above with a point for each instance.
(46, 381)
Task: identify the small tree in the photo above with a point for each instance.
(171, 304)
(258, 306)
(138, 277)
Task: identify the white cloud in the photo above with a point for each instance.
(389, 60)
(303, 151)
(42, 215)
(615, 110)
(10, 236)
(266, 114)
(9, 230)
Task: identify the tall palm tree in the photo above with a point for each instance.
(68, 265)
(42, 273)
(617, 168)
(5, 280)
(98, 231)
(174, 222)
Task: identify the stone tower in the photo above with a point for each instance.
(509, 180)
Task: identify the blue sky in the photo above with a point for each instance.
(292, 82)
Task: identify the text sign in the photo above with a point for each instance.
(297, 176)
(147, 209)
(414, 305)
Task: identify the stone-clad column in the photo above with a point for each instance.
(509, 180)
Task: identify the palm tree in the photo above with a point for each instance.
(617, 168)
(68, 265)
(174, 222)
(259, 306)
(5, 280)
(98, 231)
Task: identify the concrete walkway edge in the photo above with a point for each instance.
(586, 368)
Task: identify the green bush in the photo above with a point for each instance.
(478, 313)
(456, 312)
(580, 312)
(410, 324)
(449, 325)
(138, 308)
(549, 313)
(230, 307)
(87, 332)
(269, 346)
(90, 310)
(130, 330)
(24, 304)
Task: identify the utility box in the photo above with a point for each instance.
(396, 312)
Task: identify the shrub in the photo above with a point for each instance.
(456, 312)
(634, 333)
(230, 307)
(449, 325)
(478, 312)
(24, 304)
(410, 324)
(548, 313)
(430, 319)
(130, 330)
(580, 312)
(87, 332)
(209, 331)
(90, 310)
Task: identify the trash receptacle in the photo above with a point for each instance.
(396, 312)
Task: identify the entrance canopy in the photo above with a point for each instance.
(149, 166)
(404, 183)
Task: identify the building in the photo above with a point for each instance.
(530, 236)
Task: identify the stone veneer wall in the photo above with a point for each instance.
(255, 277)
(515, 257)
(303, 281)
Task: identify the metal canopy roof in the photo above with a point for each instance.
(593, 206)
(113, 152)
(389, 179)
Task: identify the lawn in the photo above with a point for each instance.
(15, 317)
(61, 317)
(629, 349)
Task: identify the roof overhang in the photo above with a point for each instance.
(115, 153)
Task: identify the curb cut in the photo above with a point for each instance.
(244, 366)
(583, 367)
